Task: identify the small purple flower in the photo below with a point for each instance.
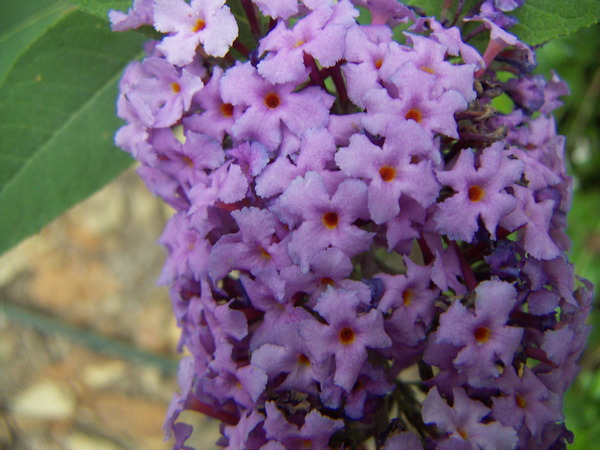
(525, 402)
(463, 425)
(324, 218)
(479, 192)
(482, 335)
(160, 93)
(315, 153)
(269, 107)
(320, 34)
(279, 9)
(254, 247)
(315, 432)
(415, 102)
(217, 117)
(401, 167)
(141, 13)
(346, 336)
(206, 22)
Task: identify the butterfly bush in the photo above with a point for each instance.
(363, 248)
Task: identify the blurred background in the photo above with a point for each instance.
(87, 339)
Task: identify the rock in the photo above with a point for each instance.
(81, 441)
(103, 375)
(47, 400)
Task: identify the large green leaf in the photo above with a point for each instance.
(21, 23)
(57, 120)
(100, 8)
(543, 20)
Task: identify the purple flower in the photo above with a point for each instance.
(415, 102)
(160, 93)
(401, 167)
(350, 207)
(534, 217)
(269, 107)
(479, 192)
(253, 248)
(346, 335)
(206, 22)
(217, 117)
(409, 302)
(525, 402)
(280, 9)
(320, 34)
(139, 14)
(314, 432)
(323, 217)
(463, 425)
(315, 154)
(482, 335)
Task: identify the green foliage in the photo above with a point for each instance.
(543, 20)
(436, 8)
(584, 229)
(100, 8)
(245, 33)
(575, 59)
(57, 121)
(21, 23)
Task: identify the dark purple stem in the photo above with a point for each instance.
(340, 84)
(315, 73)
(252, 18)
(240, 47)
(465, 267)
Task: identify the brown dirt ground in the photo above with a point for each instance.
(87, 338)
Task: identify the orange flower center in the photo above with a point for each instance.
(476, 193)
(407, 297)
(264, 254)
(200, 25)
(326, 281)
(330, 220)
(272, 100)
(347, 335)
(414, 114)
(482, 334)
(379, 63)
(520, 401)
(387, 173)
(227, 109)
(176, 87)
(306, 443)
(427, 69)
(303, 360)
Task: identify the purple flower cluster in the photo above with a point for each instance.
(363, 246)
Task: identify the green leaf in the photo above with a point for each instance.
(543, 20)
(57, 120)
(436, 8)
(21, 23)
(100, 8)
